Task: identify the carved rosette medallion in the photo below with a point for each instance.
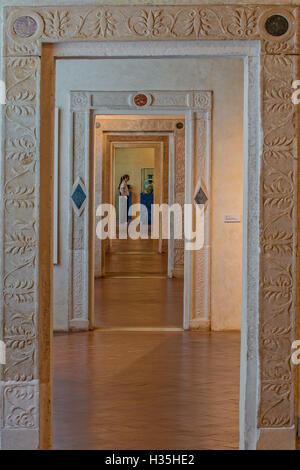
(79, 101)
(140, 100)
(277, 25)
(25, 26)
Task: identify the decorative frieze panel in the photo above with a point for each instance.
(29, 27)
(160, 100)
(20, 406)
(20, 218)
(278, 241)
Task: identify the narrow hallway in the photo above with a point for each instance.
(136, 292)
(144, 389)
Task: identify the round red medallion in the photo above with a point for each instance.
(140, 99)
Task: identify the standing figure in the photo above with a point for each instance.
(124, 193)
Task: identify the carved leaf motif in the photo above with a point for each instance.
(23, 63)
(22, 243)
(56, 23)
(22, 104)
(197, 23)
(280, 193)
(271, 336)
(29, 49)
(20, 407)
(280, 288)
(279, 395)
(278, 100)
(20, 197)
(149, 23)
(22, 150)
(19, 337)
(278, 371)
(22, 418)
(244, 21)
(19, 291)
(276, 290)
(19, 243)
(280, 147)
(103, 24)
(277, 47)
(282, 62)
(278, 243)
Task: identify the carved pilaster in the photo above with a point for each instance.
(80, 216)
(278, 241)
(20, 256)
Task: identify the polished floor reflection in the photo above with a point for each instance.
(128, 258)
(136, 292)
(146, 390)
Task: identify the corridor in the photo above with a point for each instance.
(136, 292)
(123, 386)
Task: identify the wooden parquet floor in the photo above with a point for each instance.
(144, 389)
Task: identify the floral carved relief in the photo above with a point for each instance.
(20, 406)
(130, 22)
(278, 242)
(21, 240)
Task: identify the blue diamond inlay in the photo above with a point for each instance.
(201, 197)
(78, 196)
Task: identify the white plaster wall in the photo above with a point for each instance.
(225, 78)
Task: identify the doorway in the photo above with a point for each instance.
(196, 137)
(143, 271)
(267, 68)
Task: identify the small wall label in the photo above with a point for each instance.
(232, 219)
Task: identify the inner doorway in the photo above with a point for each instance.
(145, 273)
(146, 351)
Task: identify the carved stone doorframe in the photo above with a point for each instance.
(270, 198)
(85, 106)
(161, 148)
(140, 130)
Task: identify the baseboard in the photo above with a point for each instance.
(79, 325)
(200, 324)
(277, 439)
